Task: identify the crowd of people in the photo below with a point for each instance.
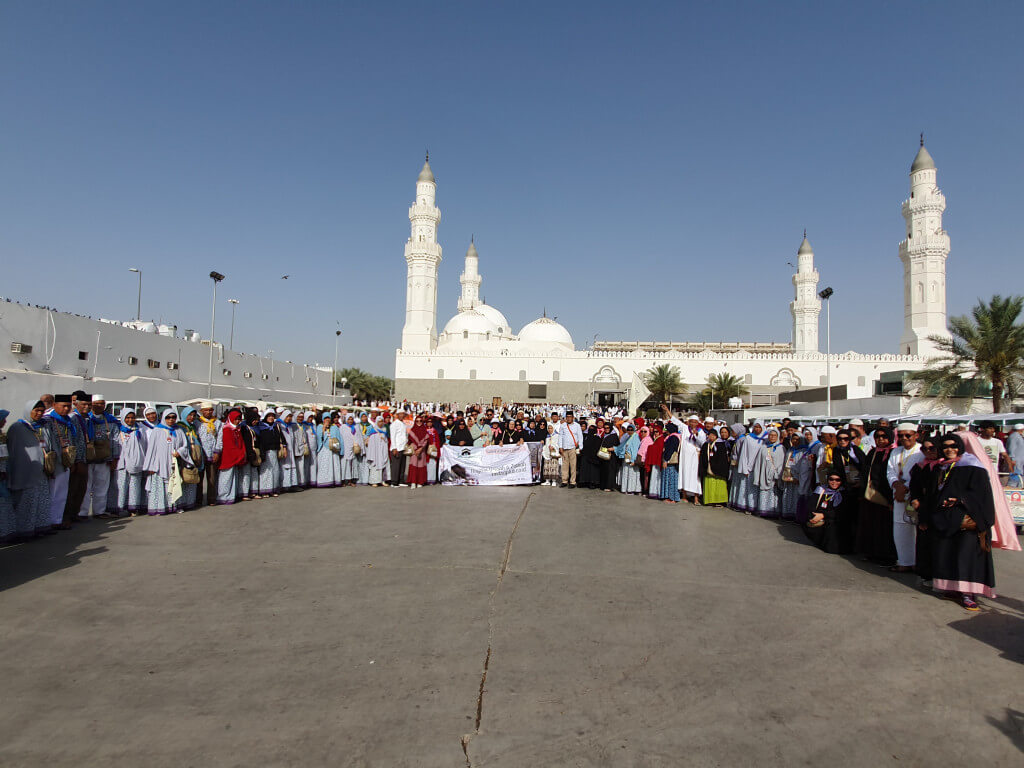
(901, 497)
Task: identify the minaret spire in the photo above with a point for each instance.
(806, 306)
(923, 253)
(422, 257)
(470, 279)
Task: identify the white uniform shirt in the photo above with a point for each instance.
(398, 435)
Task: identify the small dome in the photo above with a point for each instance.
(544, 330)
(471, 251)
(923, 161)
(805, 247)
(426, 174)
(498, 319)
(472, 321)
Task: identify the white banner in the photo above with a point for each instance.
(493, 465)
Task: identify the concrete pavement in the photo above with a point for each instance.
(491, 627)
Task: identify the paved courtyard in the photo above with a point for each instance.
(491, 627)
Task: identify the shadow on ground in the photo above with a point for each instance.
(21, 563)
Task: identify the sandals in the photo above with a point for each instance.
(968, 602)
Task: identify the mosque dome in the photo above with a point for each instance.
(498, 319)
(544, 330)
(470, 321)
(923, 161)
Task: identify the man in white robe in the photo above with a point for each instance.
(901, 460)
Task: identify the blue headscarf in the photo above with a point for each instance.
(630, 444)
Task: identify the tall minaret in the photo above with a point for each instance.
(422, 257)
(806, 305)
(924, 254)
(470, 279)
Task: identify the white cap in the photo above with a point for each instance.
(828, 429)
(1018, 426)
(99, 397)
(205, 404)
(693, 416)
(906, 426)
(856, 423)
(709, 418)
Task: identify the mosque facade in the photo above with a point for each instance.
(478, 356)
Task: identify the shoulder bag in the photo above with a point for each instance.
(334, 445)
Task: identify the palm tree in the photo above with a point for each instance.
(664, 381)
(702, 402)
(365, 386)
(987, 347)
(726, 385)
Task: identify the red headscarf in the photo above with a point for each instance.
(233, 452)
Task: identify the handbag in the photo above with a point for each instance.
(787, 475)
(257, 458)
(874, 497)
(101, 449)
(357, 448)
(282, 452)
(432, 451)
(852, 476)
(190, 475)
(334, 445)
(67, 456)
(674, 458)
(603, 453)
(90, 452)
(196, 452)
(49, 462)
(408, 450)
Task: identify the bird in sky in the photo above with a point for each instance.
(285, 277)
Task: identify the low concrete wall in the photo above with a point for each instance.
(468, 391)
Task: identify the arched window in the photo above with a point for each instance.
(522, 375)
(465, 334)
(920, 292)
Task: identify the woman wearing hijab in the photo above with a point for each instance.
(608, 469)
(130, 478)
(289, 436)
(791, 479)
(364, 429)
(330, 446)
(165, 445)
(713, 467)
(552, 458)
(460, 434)
(874, 520)
(963, 518)
(303, 452)
(26, 481)
(269, 440)
(249, 473)
(922, 495)
(652, 461)
(377, 458)
(186, 424)
(6, 504)
(234, 460)
(747, 451)
(628, 454)
(641, 459)
(351, 436)
(150, 419)
(823, 526)
(738, 435)
(418, 440)
(588, 472)
(670, 464)
(765, 474)
(434, 431)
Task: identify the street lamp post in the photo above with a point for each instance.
(216, 277)
(138, 310)
(334, 370)
(826, 295)
(233, 303)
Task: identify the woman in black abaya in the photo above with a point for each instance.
(963, 517)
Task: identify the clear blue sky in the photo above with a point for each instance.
(642, 170)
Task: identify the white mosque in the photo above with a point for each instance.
(477, 356)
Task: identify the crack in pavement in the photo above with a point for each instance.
(506, 554)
